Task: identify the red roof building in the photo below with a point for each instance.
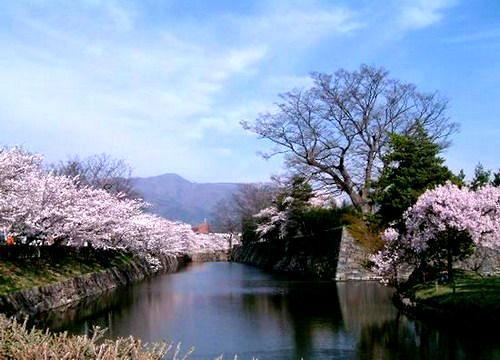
(203, 228)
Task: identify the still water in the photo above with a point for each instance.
(229, 308)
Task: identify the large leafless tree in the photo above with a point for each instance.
(100, 171)
(336, 132)
(229, 213)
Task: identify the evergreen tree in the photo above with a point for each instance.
(496, 179)
(413, 165)
(295, 201)
(461, 177)
(481, 177)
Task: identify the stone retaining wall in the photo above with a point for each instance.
(206, 256)
(352, 260)
(347, 263)
(263, 256)
(41, 299)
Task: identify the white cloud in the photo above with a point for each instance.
(417, 14)
(285, 24)
(222, 151)
(159, 80)
(235, 61)
(97, 76)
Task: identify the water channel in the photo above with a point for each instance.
(229, 308)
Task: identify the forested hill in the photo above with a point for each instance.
(176, 198)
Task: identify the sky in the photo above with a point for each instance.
(165, 84)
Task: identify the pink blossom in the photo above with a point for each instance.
(52, 208)
(436, 212)
(271, 219)
(450, 207)
(390, 235)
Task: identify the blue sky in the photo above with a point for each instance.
(164, 84)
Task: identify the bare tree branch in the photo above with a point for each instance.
(99, 171)
(336, 133)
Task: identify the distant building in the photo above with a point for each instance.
(203, 228)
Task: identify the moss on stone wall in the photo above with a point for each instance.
(18, 273)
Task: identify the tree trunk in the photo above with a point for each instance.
(450, 269)
(359, 202)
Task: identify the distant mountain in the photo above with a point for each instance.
(176, 198)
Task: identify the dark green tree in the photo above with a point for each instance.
(299, 194)
(496, 179)
(248, 230)
(413, 165)
(481, 177)
(461, 177)
(295, 201)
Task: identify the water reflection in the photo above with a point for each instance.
(232, 308)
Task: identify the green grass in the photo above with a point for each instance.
(27, 273)
(473, 294)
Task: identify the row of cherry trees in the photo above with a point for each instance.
(43, 208)
(445, 224)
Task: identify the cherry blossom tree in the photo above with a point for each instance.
(388, 262)
(271, 220)
(275, 220)
(45, 208)
(444, 224)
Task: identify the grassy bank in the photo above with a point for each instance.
(475, 297)
(22, 272)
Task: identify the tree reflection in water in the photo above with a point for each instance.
(232, 308)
